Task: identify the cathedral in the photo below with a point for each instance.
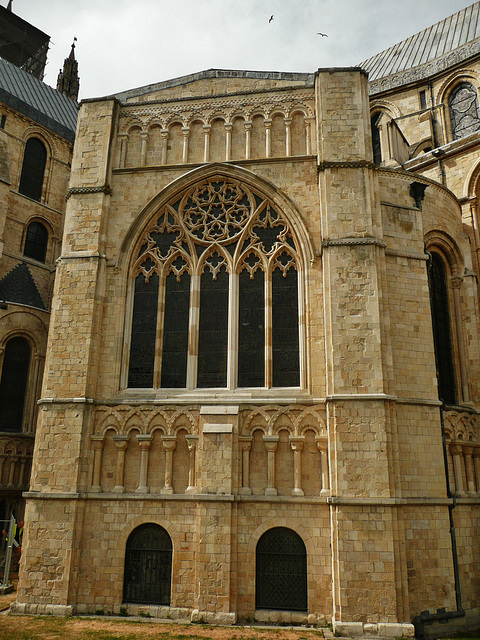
(261, 387)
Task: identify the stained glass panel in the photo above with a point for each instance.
(175, 331)
(285, 333)
(144, 325)
(251, 329)
(213, 330)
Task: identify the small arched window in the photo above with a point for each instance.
(33, 169)
(441, 329)
(148, 566)
(281, 571)
(13, 384)
(216, 294)
(376, 143)
(36, 241)
(464, 110)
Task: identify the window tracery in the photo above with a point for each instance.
(216, 300)
(464, 110)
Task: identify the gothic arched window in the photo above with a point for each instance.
(36, 241)
(464, 110)
(376, 142)
(441, 329)
(33, 169)
(148, 566)
(13, 384)
(216, 295)
(281, 571)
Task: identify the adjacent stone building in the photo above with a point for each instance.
(37, 130)
(261, 391)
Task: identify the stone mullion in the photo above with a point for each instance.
(457, 454)
(206, 148)
(468, 453)
(232, 372)
(3, 457)
(268, 331)
(456, 283)
(245, 446)
(271, 443)
(144, 441)
(192, 442)
(322, 446)
(121, 442)
(308, 135)
(288, 136)
(194, 322)
(97, 445)
(157, 367)
(228, 142)
(169, 445)
(297, 442)
(248, 140)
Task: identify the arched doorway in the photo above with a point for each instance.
(281, 571)
(148, 566)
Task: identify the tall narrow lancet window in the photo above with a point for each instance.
(33, 169)
(36, 241)
(216, 293)
(464, 110)
(13, 384)
(441, 329)
(377, 149)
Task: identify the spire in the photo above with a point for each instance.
(68, 81)
(9, 6)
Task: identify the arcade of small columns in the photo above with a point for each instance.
(169, 444)
(463, 445)
(15, 465)
(291, 146)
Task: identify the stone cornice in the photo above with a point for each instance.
(83, 190)
(347, 164)
(339, 242)
(406, 254)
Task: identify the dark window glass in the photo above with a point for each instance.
(423, 99)
(464, 111)
(441, 330)
(281, 571)
(285, 333)
(377, 149)
(13, 384)
(33, 169)
(148, 566)
(144, 324)
(213, 330)
(251, 330)
(175, 331)
(36, 241)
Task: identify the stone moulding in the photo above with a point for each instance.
(84, 190)
(380, 629)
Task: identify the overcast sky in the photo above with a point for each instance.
(123, 44)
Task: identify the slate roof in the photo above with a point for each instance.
(36, 100)
(439, 47)
(18, 286)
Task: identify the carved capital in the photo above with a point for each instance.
(121, 442)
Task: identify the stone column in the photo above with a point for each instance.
(192, 442)
(123, 149)
(13, 460)
(476, 464)
(288, 136)
(297, 442)
(121, 442)
(97, 446)
(23, 460)
(271, 443)
(3, 457)
(228, 142)
(163, 155)
(268, 138)
(468, 453)
(245, 446)
(206, 149)
(322, 446)
(248, 140)
(144, 440)
(186, 134)
(143, 150)
(456, 451)
(169, 445)
(308, 135)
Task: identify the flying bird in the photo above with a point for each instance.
(271, 18)
(324, 35)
